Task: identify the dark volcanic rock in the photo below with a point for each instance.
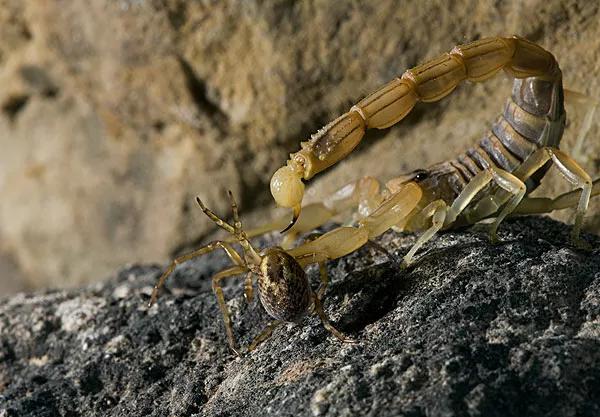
(471, 330)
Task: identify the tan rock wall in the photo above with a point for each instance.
(115, 114)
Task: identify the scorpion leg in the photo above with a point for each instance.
(571, 170)
(505, 180)
(442, 215)
(437, 211)
(218, 290)
(514, 186)
(539, 205)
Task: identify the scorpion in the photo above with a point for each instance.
(490, 180)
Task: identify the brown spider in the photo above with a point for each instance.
(283, 286)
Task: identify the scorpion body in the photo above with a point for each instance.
(517, 133)
(533, 119)
(490, 179)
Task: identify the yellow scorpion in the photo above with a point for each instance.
(489, 180)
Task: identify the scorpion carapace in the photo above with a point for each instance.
(489, 180)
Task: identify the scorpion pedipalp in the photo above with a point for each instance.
(287, 189)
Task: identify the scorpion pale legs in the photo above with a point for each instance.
(514, 155)
(523, 141)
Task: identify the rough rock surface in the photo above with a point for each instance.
(114, 114)
(471, 330)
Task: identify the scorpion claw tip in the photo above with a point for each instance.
(289, 226)
(294, 219)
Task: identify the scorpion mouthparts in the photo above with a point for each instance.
(294, 219)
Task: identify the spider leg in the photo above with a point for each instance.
(264, 334)
(327, 324)
(231, 253)
(218, 290)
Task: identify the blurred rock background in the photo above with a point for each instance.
(115, 114)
